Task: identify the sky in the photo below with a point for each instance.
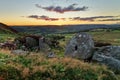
(59, 12)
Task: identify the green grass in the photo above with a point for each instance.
(5, 37)
(38, 67)
(109, 37)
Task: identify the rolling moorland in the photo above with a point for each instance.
(37, 66)
(62, 29)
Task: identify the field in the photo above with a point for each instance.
(36, 66)
(109, 37)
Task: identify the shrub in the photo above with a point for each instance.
(108, 75)
(23, 60)
(10, 73)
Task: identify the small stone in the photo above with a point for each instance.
(51, 55)
(80, 35)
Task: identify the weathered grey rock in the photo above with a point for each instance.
(19, 52)
(110, 51)
(31, 42)
(109, 61)
(51, 55)
(42, 45)
(80, 46)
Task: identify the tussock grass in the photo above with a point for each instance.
(38, 67)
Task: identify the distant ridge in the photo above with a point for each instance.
(5, 28)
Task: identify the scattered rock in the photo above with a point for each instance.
(80, 46)
(8, 45)
(51, 55)
(19, 52)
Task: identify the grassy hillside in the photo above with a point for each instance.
(36, 66)
(6, 29)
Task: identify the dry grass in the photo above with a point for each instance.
(37, 63)
(6, 51)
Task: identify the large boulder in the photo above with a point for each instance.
(110, 51)
(80, 46)
(108, 61)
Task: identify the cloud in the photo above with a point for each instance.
(59, 9)
(34, 16)
(110, 20)
(91, 18)
(43, 17)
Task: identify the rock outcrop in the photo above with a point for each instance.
(80, 46)
(108, 61)
(110, 56)
(31, 42)
(43, 45)
(110, 51)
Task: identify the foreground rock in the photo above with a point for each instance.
(110, 51)
(109, 61)
(80, 46)
(19, 52)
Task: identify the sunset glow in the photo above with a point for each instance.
(57, 12)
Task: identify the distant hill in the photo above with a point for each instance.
(63, 29)
(6, 29)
